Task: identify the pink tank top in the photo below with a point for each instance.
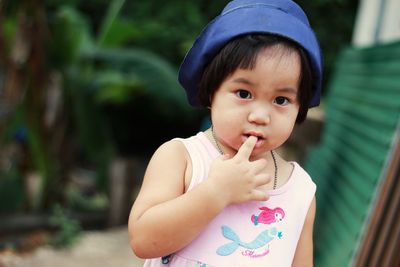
(250, 234)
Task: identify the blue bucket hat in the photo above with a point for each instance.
(239, 17)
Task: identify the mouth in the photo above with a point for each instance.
(259, 136)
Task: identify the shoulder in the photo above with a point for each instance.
(165, 173)
(300, 170)
(172, 158)
(172, 146)
(303, 174)
(287, 169)
(164, 177)
(292, 168)
(172, 151)
(194, 145)
(293, 173)
(178, 145)
(305, 186)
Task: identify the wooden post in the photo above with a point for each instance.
(122, 176)
(380, 243)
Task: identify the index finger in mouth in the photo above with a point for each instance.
(247, 147)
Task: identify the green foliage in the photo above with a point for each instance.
(116, 87)
(78, 201)
(41, 161)
(12, 195)
(121, 31)
(70, 36)
(11, 190)
(89, 126)
(112, 14)
(137, 72)
(57, 3)
(9, 28)
(167, 29)
(68, 230)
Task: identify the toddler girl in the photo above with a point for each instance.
(224, 197)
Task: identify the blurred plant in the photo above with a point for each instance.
(62, 84)
(11, 191)
(67, 231)
(25, 78)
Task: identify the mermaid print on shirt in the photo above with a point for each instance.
(260, 246)
(268, 216)
(263, 239)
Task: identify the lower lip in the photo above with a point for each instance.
(259, 143)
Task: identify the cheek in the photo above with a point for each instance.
(288, 126)
(284, 128)
(228, 116)
(229, 125)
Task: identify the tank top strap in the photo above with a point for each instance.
(201, 152)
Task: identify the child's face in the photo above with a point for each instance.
(261, 102)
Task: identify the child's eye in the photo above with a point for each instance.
(282, 101)
(243, 94)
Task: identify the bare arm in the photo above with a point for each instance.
(164, 218)
(304, 251)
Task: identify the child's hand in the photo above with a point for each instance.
(236, 178)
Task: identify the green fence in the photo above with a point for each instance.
(362, 119)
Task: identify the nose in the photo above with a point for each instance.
(260, 114)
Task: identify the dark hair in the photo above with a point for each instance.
(242, 53)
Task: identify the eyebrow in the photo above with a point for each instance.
(243, 80)
(288, 90)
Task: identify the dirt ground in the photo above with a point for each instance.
(94, 249)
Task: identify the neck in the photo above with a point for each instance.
(216, 143)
